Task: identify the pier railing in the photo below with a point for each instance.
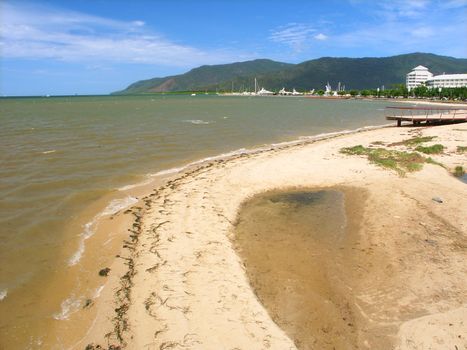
(427, 115)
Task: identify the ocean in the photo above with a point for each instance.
(68, 161)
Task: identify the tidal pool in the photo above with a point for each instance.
(297, 249)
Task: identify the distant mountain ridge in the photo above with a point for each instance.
(354, 73)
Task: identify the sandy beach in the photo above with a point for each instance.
(180, 281)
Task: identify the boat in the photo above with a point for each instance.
(284, 92)
(264, 92)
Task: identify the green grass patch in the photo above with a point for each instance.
(459, 171)
(435, 149)
(398, 161)
(414, 141)
(355, 150)
(461, 149)
(430, 160)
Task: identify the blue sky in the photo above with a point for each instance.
(99, 46)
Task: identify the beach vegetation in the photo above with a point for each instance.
(355, 150)
(430, 160)
(459, 171)
(418, 140)
(414, 141)
(434, 149)
(398, 161)
(461, 149)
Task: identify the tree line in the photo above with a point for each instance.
(401, 90)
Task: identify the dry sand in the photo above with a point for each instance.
(447, 104)
(181, 285)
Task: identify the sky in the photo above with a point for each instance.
(100, 46)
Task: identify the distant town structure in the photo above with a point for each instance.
(422, 76)
(447, 81)
(418, 76)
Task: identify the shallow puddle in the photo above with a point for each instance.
(295, 246)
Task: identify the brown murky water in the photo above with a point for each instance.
(67, 162)
(296, 246)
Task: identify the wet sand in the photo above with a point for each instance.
(182, 284)
(297, 248)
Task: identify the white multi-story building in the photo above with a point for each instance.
(447, 81)
(418, 76)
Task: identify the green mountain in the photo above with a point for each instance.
(206, 76)
(354, 73)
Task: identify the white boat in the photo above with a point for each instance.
(264, 92)
(284, 92)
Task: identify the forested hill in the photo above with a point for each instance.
(354, 73)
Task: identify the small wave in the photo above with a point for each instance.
(130, 187)
(3, 294)
(68, 307)
(240, 151)
(169, 171)
(200, 161)
(76, 257)
(87, 233)
(98, 292)
(118, 204)
(89, 228)
(48, 152)
(196, 121)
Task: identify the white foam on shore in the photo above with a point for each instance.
(89, 228)
(98, 292)
(48, 152)
(200, 161)
(76, 257)
(73, 304)
(87, 233)
(130, 187)
(300, 140)
(118, 204)
(3, 294)
(68, 307)
(196, 121)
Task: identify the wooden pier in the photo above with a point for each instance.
(426, 115)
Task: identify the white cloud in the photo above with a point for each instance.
(451, 4)
(423, 32)
(30, 31)
(295, 35)
(403, 8)
(401, 26)
(321, 36)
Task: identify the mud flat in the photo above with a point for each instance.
(389, 272)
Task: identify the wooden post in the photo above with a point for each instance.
(399, 122)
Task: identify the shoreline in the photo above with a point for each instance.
(435, 103)
(164, 202)
(73, 293)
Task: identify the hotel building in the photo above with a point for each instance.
(447, 81)
(417, 77)
(422, 76)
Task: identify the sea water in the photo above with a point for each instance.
(59, 155)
